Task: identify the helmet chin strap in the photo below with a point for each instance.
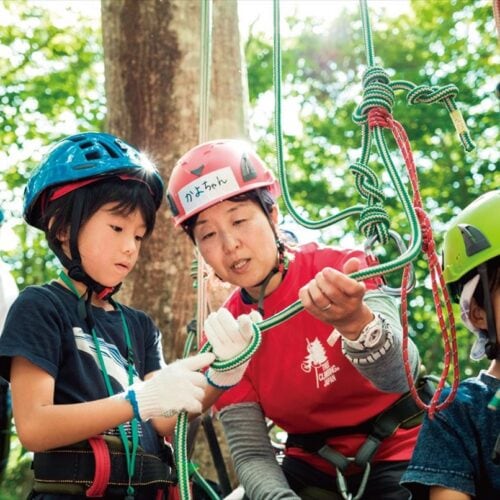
(281, 267)
(491, 348)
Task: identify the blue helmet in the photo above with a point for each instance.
(2, 216)
(82, 157)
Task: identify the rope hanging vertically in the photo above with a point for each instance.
(181, 427)
(378, 97)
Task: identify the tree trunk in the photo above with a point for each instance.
(152, 67)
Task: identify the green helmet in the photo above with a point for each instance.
(473, 237)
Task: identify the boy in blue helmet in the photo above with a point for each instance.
(87, 374)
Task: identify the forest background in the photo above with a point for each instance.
(59, 69)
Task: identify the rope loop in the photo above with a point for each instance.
(377, 92)
(228, 364)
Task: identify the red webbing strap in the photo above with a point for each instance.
(382, 118)
(102, 467)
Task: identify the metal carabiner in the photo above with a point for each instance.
(401, 246)
(342, 484)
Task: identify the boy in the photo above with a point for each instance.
(88, 380)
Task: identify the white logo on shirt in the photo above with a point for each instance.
(316, 358)
(114, 362)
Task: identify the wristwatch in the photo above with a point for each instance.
(369, 336)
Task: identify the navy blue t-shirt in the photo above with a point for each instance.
(454, 450)
(44, 327)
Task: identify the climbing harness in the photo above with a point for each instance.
(101, 463)
(404, 413)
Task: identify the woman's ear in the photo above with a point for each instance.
(275, 212)
(477, 315)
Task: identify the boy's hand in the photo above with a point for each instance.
(175, 388)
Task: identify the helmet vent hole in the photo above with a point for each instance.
(110, 151)
(93, 155)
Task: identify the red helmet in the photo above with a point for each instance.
(213, 172)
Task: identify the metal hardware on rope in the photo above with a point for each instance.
(400, 244)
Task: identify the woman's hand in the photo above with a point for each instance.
(229, 337)
(334, 298)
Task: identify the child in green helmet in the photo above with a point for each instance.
(457, 456)
(90, 389)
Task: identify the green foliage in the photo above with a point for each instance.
(52, 83)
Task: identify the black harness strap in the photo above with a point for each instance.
(71, 470)
(403, 413)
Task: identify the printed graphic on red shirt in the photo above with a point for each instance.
(316, 360)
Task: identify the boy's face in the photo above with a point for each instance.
(109, 244)
(478, 315)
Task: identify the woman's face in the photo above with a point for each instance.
(237, 241)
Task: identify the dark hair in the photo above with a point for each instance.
(128, 195)
(261, 196)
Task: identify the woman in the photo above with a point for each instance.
(324, 374)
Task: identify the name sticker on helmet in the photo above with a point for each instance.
(202, 191)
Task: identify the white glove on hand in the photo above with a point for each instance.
(228, 338)
(175, 388)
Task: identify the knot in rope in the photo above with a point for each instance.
(377, 92)
(445, 95)
(373, 220)
(380, 117)
(428, 95)
(428, 245)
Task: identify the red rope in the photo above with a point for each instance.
(380, 117)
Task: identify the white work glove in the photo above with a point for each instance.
(176, 387)
(228, 338)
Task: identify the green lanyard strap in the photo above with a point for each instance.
(84, 307)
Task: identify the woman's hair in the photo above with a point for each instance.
(261, 196)
(128, 195)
